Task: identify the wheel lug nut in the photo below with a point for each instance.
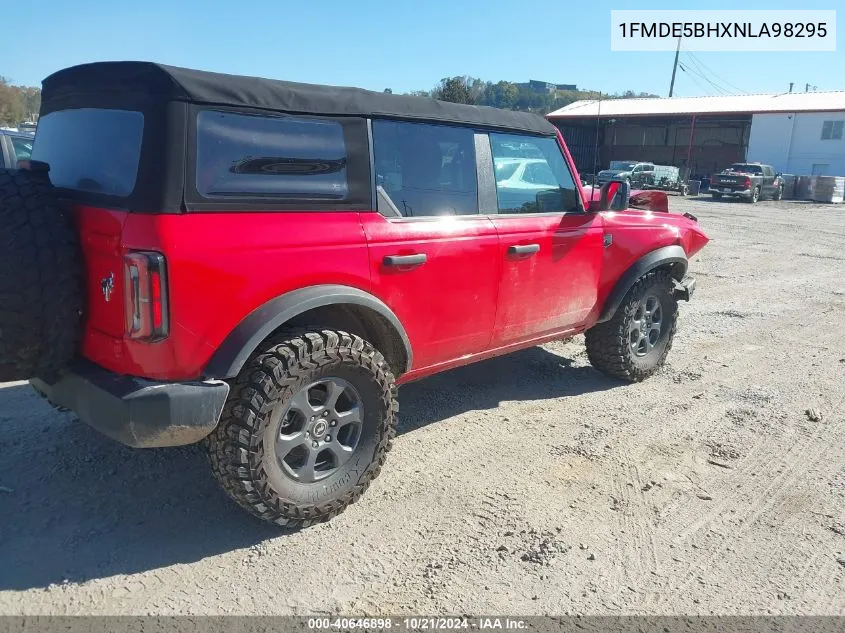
(333, 423)
(328, 438)
(325, 414)
(313, 417)
(314, 444)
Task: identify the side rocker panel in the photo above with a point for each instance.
(668, 255)
(233, 353)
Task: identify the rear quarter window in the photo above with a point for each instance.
(241, 155)
(91, 149)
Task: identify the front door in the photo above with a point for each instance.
(433, 258)
(550, 249)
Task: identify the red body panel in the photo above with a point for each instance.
(448, 304)
(221, 266)
(555, 288)
(470, 300)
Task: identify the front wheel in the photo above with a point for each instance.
(717, 196)
(635, 342)
(307, 427)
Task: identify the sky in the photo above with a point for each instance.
(399, 44)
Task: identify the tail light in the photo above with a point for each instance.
(748, 183)
(145, 277)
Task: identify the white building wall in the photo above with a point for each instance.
(792, 143)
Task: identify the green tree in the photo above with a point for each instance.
(11, 105)
(455, 89)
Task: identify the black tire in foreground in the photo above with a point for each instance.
(635, 342)
(307, 427)
(40, 279)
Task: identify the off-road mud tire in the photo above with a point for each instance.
(608, 343)
(238, 450)
(40, 279)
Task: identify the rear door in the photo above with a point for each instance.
(550, 249)
(433, 258)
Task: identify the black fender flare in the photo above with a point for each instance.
(241, 342)
(673, 256)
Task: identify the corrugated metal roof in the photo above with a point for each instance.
(746, 104)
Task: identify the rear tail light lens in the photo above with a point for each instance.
(145, 277)
(747, 183)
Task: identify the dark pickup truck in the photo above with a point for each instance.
(749, 181)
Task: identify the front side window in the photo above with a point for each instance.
(241, 155)
(91, 149)
(425, 170)
(542, 184)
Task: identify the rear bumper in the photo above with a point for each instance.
(738, 193)
(136, 412)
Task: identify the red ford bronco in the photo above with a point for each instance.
(258, 264)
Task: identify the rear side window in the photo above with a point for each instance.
(242, 155)
(424, 169)
(90, 149)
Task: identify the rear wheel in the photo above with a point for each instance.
(778, 193)
(40, 279)
(755, 195)
(307, 427)
(635, 342)
(717, 196)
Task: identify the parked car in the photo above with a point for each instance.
(634, 172)
(14, 146)
(259, 264)
(749, 181)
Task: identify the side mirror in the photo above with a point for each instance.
(613, 196)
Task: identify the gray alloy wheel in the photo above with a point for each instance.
(319, 430)
(645, 326)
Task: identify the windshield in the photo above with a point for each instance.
(622, 165)
(91, 149)
(746, 169)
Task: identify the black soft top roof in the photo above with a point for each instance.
(74, 87)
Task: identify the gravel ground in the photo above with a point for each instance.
(528, 484)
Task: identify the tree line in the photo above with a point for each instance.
(514, 96)
(18, 103)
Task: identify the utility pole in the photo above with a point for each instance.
(791, 83)
(675, 67)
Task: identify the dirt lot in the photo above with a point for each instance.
(523, 485)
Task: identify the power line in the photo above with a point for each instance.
(698, 63)
(696, 71)
(692, 71)
(693, 79)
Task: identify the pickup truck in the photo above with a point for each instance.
(749, 181)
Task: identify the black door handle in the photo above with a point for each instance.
(523, 249)
(405, 260)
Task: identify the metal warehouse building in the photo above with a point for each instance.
(797, 133)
